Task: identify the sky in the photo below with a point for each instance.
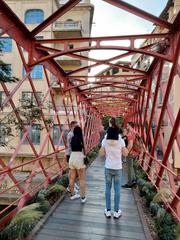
(109, 20)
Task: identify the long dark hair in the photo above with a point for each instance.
(78, 133)
(77, 143)
(113, 122)
(113, 131)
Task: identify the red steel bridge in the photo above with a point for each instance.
(134, 98)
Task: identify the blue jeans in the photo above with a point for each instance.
(115, 176)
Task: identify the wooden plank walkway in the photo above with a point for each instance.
(73, 220)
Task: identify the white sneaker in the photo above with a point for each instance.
(107, 213)
(117, 214)
(75, 196)
(83, 200)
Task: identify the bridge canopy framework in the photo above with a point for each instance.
(133, 95)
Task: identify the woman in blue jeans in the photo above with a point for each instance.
(113, 147)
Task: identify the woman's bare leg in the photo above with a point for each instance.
(72, 177)
(81, 174)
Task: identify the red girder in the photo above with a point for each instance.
(105, 84)
(90, 104)
(98, 47)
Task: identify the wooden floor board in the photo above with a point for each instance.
(73, 220)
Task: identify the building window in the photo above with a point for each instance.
(36, 73)
(5, 70)
(34, 16)
(71, 46)
(2, 97)
(69, 23)
(6, 44)
(34, 134)
(57, 135)
(3, 134)
(160, 97)
(39, 37)
(28, 98)
(115, 70)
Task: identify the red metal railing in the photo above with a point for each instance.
(90, 98)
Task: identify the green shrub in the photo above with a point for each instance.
(57, 188)
(42, 195)
(164, 222)
(158, 197)
(23, 222)
(165, 225)
(154, 207)
(44, 206)
(177, 231)
(64, 180)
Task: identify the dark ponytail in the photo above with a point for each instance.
(113, 122)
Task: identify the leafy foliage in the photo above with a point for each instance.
(105, 121)
(57, 188)
(29, 114)
(165, 192)
(177, 230)
(166, 227)
(44, 206)
(154, 207)
(22, 223)
(64, 180)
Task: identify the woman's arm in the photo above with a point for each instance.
(125, 151)
(102, 152)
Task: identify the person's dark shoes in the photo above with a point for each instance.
(134, 182)
(127, 185)
(130, 185)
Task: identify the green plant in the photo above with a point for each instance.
(44, 206)
(105, 121)
(149, 192)
(64, 180)
(158, 197)
(42, 194)
(154, 207)
(23, 222)
(54, 192)
(165, 225)
(56, 188)
(177, 231)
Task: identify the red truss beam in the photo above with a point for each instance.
(98, 62)
(132, 77)
(107, 38)
(98, 46)
(167, 93)
(89, 105)
(105, 84)
(109, 96)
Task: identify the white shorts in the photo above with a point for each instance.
(76, 160)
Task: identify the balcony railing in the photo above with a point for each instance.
(65, 26)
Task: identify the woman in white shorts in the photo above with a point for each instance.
(76, 164)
